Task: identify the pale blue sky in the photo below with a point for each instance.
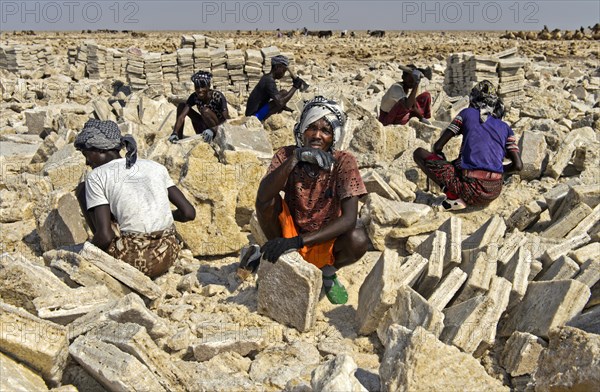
(322, 15)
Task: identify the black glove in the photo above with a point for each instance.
(315, 156)
(274, 248)
(297, 82)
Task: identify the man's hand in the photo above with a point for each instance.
(315, 156)
(297, 82)
(274, 248)
(208, 135)
(173, 138)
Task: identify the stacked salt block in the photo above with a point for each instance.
(465, 70)
(455, 76)
(71, 54)
(19, 57)
(482, 68)
(96, 61)
(169, 67)
(82, 52)
(503, 69)
(119, 62)
(4, 60)
(218, 61)
(187, 41)
(512, 79)
(185, 63)
(201, 59)
(253, 66)
(268, 53)
(199, 41)
(235, 67)
(213, 42)
(229, 44)
(109, 65)
(153, 69)
(135, 69)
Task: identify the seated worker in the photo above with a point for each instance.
(265, 100)
(136, 193)
(475, 178)
(397, 107)
(212, 109)
(317, 216)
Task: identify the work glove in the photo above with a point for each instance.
(208, 135)
(417, 75)
(173, 138)
(297, 82)
(315, 156)
(274, 248)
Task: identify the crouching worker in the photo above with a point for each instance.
(212, 109)
(476, 177)
(401, 102)
(265, 99)
(318, 215)
(133, 193)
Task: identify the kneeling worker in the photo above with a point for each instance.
(398, 106)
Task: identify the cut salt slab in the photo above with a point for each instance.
(378, 292)
(288, 291)
(412, 357)
(547, 305)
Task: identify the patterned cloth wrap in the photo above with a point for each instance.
(315, 109)
(473, 191)
(151, 253)
(483, 97)
(106, 136)
(202, 79)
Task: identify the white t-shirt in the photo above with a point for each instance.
(137, 197)
(394, 94)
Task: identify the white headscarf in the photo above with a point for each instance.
(317, 108)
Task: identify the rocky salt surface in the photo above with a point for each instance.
(505, 297)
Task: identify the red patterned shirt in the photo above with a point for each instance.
(315, 196)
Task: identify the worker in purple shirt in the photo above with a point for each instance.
(475, 178)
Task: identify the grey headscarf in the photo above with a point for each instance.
(315, 109)
(279, 59)
(105, 135)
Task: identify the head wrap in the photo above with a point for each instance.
(202, 79)
(315, 109)
(499, 109)
(483, 97)
(105, 135)
(279, 59)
